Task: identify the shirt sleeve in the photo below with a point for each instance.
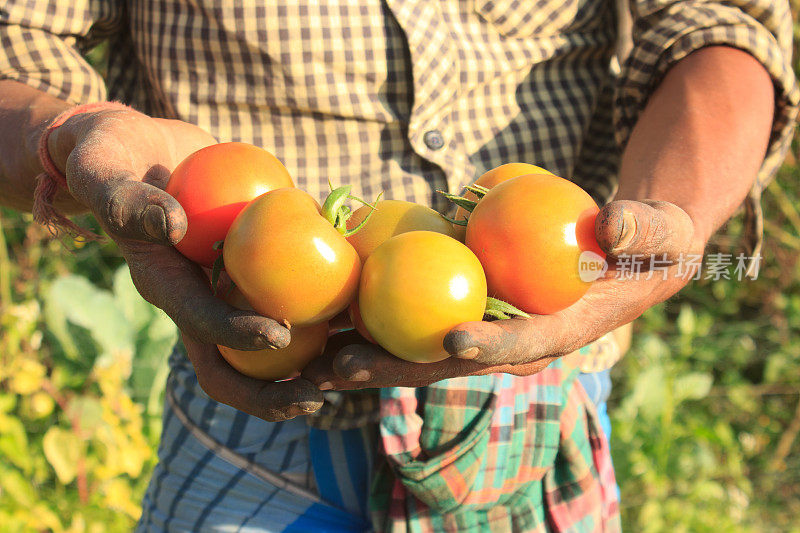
(42, 42)
(665, 32)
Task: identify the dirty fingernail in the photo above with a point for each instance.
(361, 375)
(628, 230)
(469, 353)
(154, 221)
(325, 385)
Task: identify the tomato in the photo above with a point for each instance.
(290, 263)
(415, 288)
(393, 217)
(355, 318)
(307, 343)
(529, 233)
(213, 185)
(489, 179)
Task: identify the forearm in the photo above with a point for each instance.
(702, 137)
(24, 113)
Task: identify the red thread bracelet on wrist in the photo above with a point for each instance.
(52, 179)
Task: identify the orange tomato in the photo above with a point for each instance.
(213, 185)
(489, 179)
(290, 263)
(392, 217)
(307, 343)
(415, 288)
(529, 233)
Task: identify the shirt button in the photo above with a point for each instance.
(433, 139)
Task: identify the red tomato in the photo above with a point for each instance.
(307, 343)
(489, 179)
(290, 263)
(415, 288)
(529, 233)
(213, 185)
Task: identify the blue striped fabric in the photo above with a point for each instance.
(194, 488)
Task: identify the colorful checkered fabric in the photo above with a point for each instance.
(494, 453)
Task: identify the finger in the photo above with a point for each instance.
(271, 401)
(171, 282)
(320, 370)
(360, 366)
(514, 341)
(131, 209)
(644, 228)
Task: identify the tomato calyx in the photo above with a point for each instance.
(217, 268)
(337, 213)
(502, 310)
(465, 203)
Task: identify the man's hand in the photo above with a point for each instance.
(526, 346)
(117, 164)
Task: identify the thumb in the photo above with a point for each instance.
(648, 227)
(507, 341)
(136, 210)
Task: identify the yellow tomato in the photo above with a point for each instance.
(393, 217)
(415, 288)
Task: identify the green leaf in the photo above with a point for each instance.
(17, 487)
(62, 449)
(94, 309)
(14, 443)
(649, 393)
(7, 402)
(87, 411)
(692, 386)
(57, 325)
(136, 309)
(686, 320)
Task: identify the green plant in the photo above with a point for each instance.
(81, 382)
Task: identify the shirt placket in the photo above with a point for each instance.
(435, 71)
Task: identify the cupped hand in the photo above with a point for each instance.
(630, 232)
(117, 164)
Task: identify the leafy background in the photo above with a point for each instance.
(705, 408)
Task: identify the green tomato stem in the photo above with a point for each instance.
(503, 310)
(334, 202)
(455, 222)
(460, 201)
(478, 190)
(217, 268)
